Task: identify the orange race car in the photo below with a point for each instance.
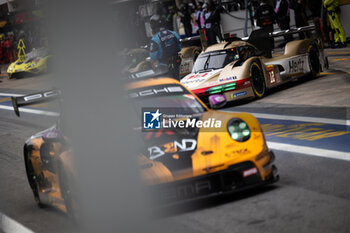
(214, 153)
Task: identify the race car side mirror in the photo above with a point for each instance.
(217, 101)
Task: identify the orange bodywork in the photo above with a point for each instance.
(215, 151)
(225, 151)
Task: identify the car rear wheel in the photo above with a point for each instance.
(32, 181)
(314, 61)
(257, 79)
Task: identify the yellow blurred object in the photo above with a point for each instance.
(34, 62)
(2, 24)
(38, 13)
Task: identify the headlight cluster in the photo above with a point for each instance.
(221, 88)
(10, 68)
(238, 130)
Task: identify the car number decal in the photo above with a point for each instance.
(274, 76)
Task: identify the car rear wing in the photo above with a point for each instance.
(35, 98)
(293, 31)
(262, 39)
(286, 32)
(185, 42)
(161, 70)
(191, 41)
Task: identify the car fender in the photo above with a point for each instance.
(297, 47)
(300, 47)
(242, 71)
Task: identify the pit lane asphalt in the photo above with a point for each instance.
(313, 194)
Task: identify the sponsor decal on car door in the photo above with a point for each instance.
(298, 65)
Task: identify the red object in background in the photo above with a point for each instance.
(1, 53)
(8, 50)
(20, 18)
(26, 18)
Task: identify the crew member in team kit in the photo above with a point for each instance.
(165, 46)
(333, 11)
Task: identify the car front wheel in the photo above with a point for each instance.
(257, 79)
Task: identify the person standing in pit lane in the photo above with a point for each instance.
(283, 18)
(333, 11)
(300, 16)
(265, 16)
(186, 19)
(217, 9)
(208, 24)
(165, 46)
(198, 16)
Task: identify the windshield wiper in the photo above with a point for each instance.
(206, 64)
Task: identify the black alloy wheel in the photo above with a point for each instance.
(314, 61)
(257, 79)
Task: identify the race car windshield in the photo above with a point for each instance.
(215, 60)
(41, 52)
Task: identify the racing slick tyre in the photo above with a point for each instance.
(16, 76)
(257, 79)
(32, 180)
(314, 61)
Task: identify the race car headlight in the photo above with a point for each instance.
(221, 88)
(10, 68)
(238, 130)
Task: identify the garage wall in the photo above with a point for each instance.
(235, 26)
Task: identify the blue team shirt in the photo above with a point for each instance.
(164, 41)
